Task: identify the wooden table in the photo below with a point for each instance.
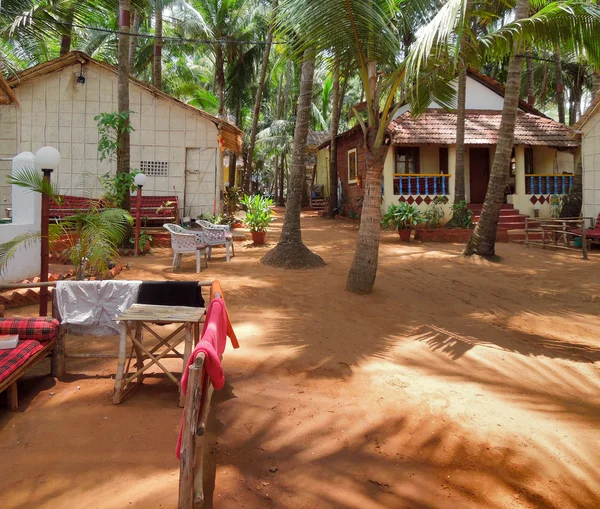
(134, 321)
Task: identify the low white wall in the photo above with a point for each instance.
(27, 216)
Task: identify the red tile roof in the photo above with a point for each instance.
(481, 128)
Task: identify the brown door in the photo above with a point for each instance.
(479, 172)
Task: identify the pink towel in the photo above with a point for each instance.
(212, 344)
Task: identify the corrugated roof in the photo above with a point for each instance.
(232, 135)
(481, 128)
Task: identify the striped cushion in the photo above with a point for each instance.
(14, 358)
(38, 329)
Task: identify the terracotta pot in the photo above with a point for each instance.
(259, 237)
(404, 235)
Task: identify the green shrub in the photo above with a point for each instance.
(403, 216)
(259, 214)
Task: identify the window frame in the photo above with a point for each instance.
(415, 152)
(355, 179)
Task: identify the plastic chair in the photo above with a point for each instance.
(183, 241)
(217, 235)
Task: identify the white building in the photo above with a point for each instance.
(589, 129)
(179, 147)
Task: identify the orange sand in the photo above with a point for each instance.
(457, 384)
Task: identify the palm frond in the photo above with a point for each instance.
(9, 249)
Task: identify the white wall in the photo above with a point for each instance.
(479, 97)
(57, 111)
(591, 166)
(27, 217)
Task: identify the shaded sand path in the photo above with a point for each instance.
(457, 384)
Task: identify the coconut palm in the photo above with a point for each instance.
(290, 252)
(360, 33)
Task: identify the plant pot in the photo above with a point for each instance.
(404, 235)
(259, 237)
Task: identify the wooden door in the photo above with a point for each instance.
(201, 184)
(479, 173)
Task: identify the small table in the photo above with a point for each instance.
(136, 319)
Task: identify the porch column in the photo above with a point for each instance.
(451, 170)
(520, 170)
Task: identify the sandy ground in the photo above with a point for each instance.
(456, 384)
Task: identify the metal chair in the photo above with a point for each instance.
(184, 241)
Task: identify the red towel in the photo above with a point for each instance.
(214, 289)
(212, 344)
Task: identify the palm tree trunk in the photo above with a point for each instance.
(459, 173)
(280, 200)
(530, 78)
(133, 43)
(66, 33)
(483, 239)
(257, 104)
(334, 127)
(123, 149)
(560, 87)
(290, 252)
(288, 86)
(275, 177)
(220, 77)
(361, 277)
(158, 31)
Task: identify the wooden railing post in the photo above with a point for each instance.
(191, 413)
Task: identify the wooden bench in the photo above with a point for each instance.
(37, 338)
(157, 209)
(154, 209)
(66, 205)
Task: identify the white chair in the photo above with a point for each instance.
(217, 235)
(183, 241)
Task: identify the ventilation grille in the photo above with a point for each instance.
(155, 168)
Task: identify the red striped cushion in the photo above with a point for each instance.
(14, 358)
(38, 329)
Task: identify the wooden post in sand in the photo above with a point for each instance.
(191, 413)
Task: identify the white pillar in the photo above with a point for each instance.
(520, 170)
(451, 171)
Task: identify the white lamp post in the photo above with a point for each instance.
(47, 160)
(139, 180)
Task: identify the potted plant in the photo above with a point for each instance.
(259, 215)
(404, 217)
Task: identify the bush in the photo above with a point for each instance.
(259, 214)
(403, 216)
(462, 217)
(434, 215)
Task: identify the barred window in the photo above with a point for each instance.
(155, 168)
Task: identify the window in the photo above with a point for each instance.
(155, 168)
(529, 170)
(407, 160)
(352, 166)
(444, 160)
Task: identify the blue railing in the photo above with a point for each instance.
(548, 184)
(429, 184)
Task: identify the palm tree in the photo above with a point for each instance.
(158, 33)
(258, 102)
(123, 140)
(360, 33)
(290, 252)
